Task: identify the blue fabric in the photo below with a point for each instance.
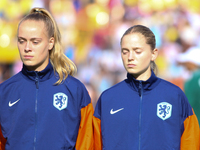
(133, 115)
(33, 119)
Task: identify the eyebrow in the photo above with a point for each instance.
(124, 49)
(134, 48)
(30, 39)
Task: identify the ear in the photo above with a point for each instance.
(51, 43)
(154, 54)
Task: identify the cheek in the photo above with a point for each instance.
(41, 49)
(20, 49)
(144, 59)
(123, 59)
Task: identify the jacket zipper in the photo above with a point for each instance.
(37, 87)
(140, 114)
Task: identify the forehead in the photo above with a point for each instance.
(133, 38)
(31, 27)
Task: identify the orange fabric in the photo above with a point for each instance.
(85, 134)
(97, 134)
(2, 141)
(190, 137)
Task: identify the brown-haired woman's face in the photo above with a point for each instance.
(34, 44)
(137, 55)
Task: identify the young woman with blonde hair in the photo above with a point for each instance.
(44, 106)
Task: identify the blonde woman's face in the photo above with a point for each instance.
(34, 44)
(137, 56)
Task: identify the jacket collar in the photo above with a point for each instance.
(43, 75)
(146, 85)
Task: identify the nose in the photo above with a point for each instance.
(131, 55)
(27, 47)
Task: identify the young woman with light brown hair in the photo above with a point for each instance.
(143, 112)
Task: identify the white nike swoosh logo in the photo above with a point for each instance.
(113, 112)
(11, 104)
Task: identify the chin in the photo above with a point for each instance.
(28, 62)
(131, 71)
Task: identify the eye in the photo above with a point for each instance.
(20, 41)
(124, 51)
(35, 42)
(138, 51)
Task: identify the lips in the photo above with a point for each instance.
(28, 56)
(131, 65)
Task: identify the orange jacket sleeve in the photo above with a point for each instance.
(85, 134)
(97, 133)
(190, 137)
(2, 141)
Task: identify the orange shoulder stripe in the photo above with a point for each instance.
(97, 133)
(85, 134)
(190, 137)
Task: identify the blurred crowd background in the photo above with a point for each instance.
(91, 32)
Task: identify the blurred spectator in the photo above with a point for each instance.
(5, 72)
(190, 60)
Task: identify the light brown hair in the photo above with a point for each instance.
(150, 39)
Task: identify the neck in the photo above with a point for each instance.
(143, 76)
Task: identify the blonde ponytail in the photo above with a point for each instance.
(62, 65)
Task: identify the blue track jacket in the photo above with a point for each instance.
(35, 114)
(145, 115)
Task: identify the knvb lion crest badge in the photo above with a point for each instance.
(60, 101)
(164, 110)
